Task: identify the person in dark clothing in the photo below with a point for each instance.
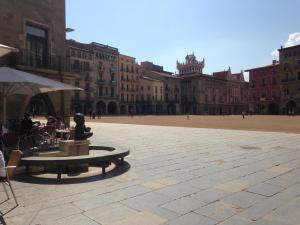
(27, 124)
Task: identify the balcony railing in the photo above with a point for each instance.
(101, 81)
(43, 61)
(113, 83)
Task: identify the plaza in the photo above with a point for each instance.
(174, 176)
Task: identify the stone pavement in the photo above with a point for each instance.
(177, 176)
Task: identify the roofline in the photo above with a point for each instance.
(295, 46)
(248, 70)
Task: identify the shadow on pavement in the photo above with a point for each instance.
(119, 169)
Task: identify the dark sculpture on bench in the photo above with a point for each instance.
(81, 131)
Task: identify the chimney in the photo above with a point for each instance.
(274, 62)
(281, 47)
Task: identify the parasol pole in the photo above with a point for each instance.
(4, 110)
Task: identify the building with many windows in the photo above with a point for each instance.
(97, 66)
(220, 93)
(289, 59)
(128, 84)
(264, 89)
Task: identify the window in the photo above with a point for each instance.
(37, 46)
(100, 91)
(148, 88)
(298, 75)
(274, 80)
(122, 97)
(155, 89)
(112, 92)
(106, 90)
(142, 88)
(285, 66)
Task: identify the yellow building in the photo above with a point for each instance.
(128, 84)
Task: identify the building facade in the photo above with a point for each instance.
(220, 93)
(264, 89)
(37, 29)
(289, 59)
(128, 84)
(97, 66)
(170, 91)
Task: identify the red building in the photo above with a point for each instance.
(264, 89)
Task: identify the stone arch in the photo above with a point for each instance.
(101, 107)
(171, 109)
(291, 107)
(40, 104)
(273, 109)
(112, 108)
(123, 109)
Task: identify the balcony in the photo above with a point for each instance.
(101, 81)
(113, 83)
(43, 61)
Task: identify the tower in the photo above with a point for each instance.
(191, 65)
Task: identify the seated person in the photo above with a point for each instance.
(2, 166)
(51, 121)
(27, 125)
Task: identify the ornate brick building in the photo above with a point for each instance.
(289, 59)
(37, 29)
(264, 89)
(220, 93)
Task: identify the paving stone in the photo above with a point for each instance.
(143, 217)
(218, 211)
(232, 186)
(236, 220)
(178, 190)
(211, 195)
(77, 219)
(183, 205)
(192, 219)
(265, 189)
(243, 199)
(110, 214)
(48, 215)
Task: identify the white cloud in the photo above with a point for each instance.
(294, 39)
(275, 54)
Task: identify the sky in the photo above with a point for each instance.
(240, 34)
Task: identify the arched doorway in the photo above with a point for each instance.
(131, 109)
(112, 108)
(171, 109)
(123, 109)
(87, 108)
(40, 105)
(291, 107)
(101, 108)
(273, 109)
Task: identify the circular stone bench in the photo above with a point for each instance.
(98, 155)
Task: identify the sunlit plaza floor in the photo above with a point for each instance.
(174, 176)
